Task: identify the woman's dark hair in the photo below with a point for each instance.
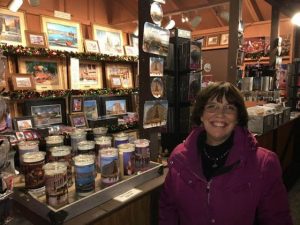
(218, 90)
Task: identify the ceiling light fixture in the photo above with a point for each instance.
(182, 18)
(171, 24)
(15, 5)
(296, 19)
(34, 2)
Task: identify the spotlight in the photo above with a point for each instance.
(296, 19)
(182, 18)
(15, 5)
(170, 24)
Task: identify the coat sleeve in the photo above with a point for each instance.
(168, 212)
(273, 208)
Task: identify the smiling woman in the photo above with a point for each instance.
(221, 164)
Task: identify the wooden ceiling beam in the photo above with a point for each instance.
(108, 10)
(212, 3)
(173, 4)
(217, 17)
(130, 6)
(282, 6)
(254, 10)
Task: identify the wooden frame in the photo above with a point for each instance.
(46, 112)
(22, 82)
(36, 39)
(115, 81)
(23, 123)
(15, 20)
(212, 40)
(63, 35)
(131, 51)
(76, 104)
(78, 120)
(90, 76)
(91, 46)
(110, 40)
(91, 107)
(3, 76)
(124, 71)
(48, 73)
(224, 39)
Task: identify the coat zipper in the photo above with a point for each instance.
(208, 191)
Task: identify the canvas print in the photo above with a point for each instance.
(35, 39)
(47, 73)
(115, 107)
(12, 27)
(62, 34)
(22, 82)
(44, 115)
(78, 120)
(212, 40)
(155, 113)
(23, 123)
(91, 46)
(110, 40)
(90, 109)
(156, 39)
(77, 104)
(120, 70)
(157, 88)
(156, 66)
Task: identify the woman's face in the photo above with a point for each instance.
(219, 120)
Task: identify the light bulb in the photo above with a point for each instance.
(296, 19)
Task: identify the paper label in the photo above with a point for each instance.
(127, 195)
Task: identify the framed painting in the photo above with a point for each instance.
(35, 39)
(110, 40)
(48, 73)
(46, 112)
(156, 66)
(78, 120)
(224, 39)
(91, 107)
(76, 104)
(124, 71)
(12, 31)
(212, 40)
(115, 81)
(131, 51)
(3, 72)
(90, 75)
(63, 35)
(23, 123)
(115, 105)
(22, 82)
(91, 46)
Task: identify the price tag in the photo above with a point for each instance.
(127, 195)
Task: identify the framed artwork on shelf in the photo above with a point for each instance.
(91, 107)
(131, 51)
(48, 73)
(115, 81)
(91, 46)
(212, 40)
(22, 82)
(36, 39)
(62, 34)
(90, 76)
(78, 120)
(110, 40)
(115, 105)
(224, 39)
(123, 71)
(23, 123)
(46, 112)
(3, 72)
(12, 27)
(76, 104)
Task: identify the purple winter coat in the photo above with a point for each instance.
(251, 186)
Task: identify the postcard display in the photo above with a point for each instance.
(183, 78)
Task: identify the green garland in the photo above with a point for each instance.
(31, 94)
(122, 127)
(10, 50)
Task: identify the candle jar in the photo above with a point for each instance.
(84, 174)
(120, 138)
(33, 163)
(142, 154)
(76, 137)
(27, 146)
(56, 183)
(99, 132)
(53, 141)
(127, 159)
(86, 147)
(109, 164)
(63, 154)
(101, 142)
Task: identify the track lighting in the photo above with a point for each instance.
(15, 5)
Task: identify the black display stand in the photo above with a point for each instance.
(178, 74)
